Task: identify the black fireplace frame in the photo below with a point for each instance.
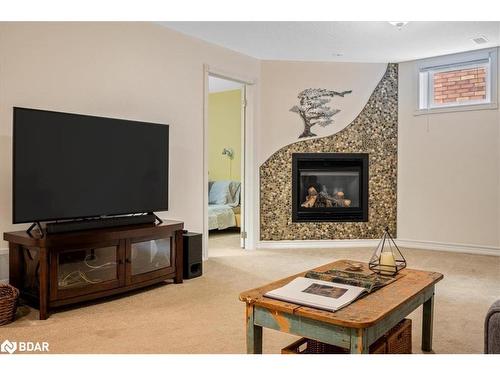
(324, 214)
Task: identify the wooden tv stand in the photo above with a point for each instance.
(62, 269)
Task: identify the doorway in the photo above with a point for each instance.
(225, 153)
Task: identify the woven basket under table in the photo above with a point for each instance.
(9, 297)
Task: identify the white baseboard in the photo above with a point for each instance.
(315, 244)
(451, 247)
(413, 244)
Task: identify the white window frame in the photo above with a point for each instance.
(426, 69)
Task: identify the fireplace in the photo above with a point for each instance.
(329, 187)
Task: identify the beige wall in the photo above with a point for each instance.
(283, 80)
(448, 183)
(449, 166)
(135, 70)
(224, 131)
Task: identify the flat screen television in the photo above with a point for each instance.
(70, 166)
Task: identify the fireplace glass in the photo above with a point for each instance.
(329, 187)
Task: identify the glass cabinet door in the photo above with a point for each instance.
(152, 255)
(79, 268)
(86, 270)
(149, 258)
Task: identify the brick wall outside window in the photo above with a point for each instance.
(458, 86)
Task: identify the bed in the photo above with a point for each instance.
(224, 209)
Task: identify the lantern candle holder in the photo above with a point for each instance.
(387, 259)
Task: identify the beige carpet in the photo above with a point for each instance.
(204, 315)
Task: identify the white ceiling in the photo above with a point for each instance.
(355, 41)
(216, 84)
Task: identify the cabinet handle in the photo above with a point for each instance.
(128, 260)
(120, 261)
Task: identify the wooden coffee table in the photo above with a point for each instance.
(354, 327)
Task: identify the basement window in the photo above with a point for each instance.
(464, 81)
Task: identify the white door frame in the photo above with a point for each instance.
(248, 139)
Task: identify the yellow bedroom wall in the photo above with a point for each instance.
(224, 130)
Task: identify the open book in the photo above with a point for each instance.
(320, 294)
(330, 290)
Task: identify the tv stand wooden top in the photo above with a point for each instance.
(34, 238)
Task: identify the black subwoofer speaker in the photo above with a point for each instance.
(193, 263)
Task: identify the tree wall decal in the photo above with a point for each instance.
(314, 110)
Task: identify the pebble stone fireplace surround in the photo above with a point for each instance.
(373, 132)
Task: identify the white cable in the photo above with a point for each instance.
(97, 267)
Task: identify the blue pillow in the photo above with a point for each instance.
(224, 192)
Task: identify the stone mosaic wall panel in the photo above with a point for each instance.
(375, 131)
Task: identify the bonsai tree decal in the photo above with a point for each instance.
(314, 110)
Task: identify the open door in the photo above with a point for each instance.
(226, 163)
(243, 232)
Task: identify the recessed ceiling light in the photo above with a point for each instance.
(398, 24)
(338, 54)
(480, 39)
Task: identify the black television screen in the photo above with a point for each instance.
(69, 166)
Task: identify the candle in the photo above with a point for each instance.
(387, 263)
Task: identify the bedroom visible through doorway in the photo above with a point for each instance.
(226, 151)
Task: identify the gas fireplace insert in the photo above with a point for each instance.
(329, 187)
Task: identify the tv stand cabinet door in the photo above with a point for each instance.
(149, 258)
(81, 270)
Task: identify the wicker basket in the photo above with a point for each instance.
(399, 338)
(308, 346)
(9, 297)
(396, 341)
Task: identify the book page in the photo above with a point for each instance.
(317, 293)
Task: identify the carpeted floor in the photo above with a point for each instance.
(204, 315)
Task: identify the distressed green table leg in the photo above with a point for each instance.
(427, 322)
(254, 332)
(359, 343)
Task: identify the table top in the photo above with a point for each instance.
(362, 313)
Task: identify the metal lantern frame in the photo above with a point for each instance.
(399, 259)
